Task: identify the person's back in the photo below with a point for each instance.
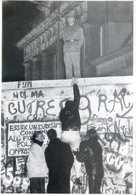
(36, 162)
(59, 160)
(96, 158)
(36, 165)
(69, 115)
(90, 152)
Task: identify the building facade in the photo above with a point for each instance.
(108, 39)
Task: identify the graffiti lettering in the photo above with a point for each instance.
(125, 113)
(102, 99)
(120, 99)
(85, 107)
(19, 139)
(24, 84)
(23, 144)
(13, 109)
(14, 127)
(50, 107)
(18, 152)
(37, 109)
(37, 94)
(21, 94)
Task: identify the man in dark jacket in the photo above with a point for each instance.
(90, 152)
(59, 158)
(69, 115)
(71, 124)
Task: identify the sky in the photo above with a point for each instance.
(16, 19)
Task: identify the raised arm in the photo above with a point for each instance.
(76, 92)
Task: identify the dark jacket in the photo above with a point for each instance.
(69, 115)
(93, 163)
(93, 160)
(59, 160)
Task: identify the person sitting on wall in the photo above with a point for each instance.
(36, 164)
(90, 152)
(71, 124)
(59, 158)
(73, 37)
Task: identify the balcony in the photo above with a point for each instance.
(117, 63)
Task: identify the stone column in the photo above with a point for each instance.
(60, 69)
(44, 65)
(28, 71)
(35, 69)
(86, 52)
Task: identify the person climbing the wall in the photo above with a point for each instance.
(71, 124)
(90, 152)
(36, 164)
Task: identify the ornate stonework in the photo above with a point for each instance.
(46, 33)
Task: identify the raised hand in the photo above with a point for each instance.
(74, 81)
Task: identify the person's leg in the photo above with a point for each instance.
(37, 185)
(97, 184)
(73, 139)
(90, 183)
(74, 144)
(68, 65)
(42, 185)
(34, 185)
(76, 64)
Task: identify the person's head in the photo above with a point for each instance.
(68, 104)
(52, 134)
(71, 18)
(37, 136)
(92, 134)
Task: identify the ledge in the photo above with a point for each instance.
(114, 61)
(67, 82)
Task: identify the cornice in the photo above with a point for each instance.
(46, 24)
(114, 61)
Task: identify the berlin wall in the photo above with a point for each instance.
(106, 103)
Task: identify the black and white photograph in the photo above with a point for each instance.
(67, 97)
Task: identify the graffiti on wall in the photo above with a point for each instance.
(19, 135)
(107, 107)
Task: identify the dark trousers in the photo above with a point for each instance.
(95, 183)
(37, 185)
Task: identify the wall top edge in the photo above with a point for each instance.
(21, 85)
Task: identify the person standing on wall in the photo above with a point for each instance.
(59, 158)
(73, 37)
(90, 152)
(71, 124)
(36, 164)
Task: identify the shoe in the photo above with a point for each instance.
(77, 181)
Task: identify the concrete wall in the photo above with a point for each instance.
(106, 103)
